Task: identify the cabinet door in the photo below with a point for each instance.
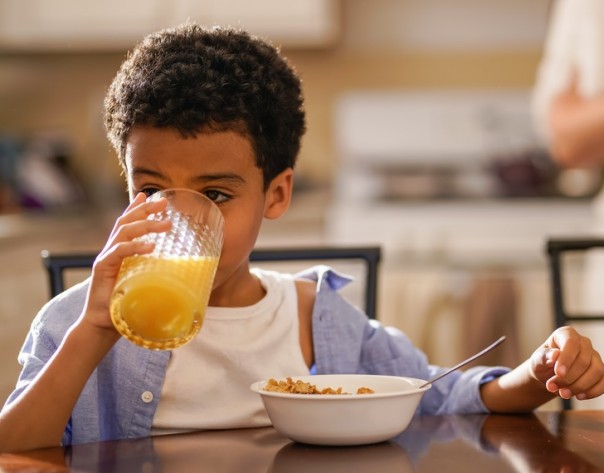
(72, 25)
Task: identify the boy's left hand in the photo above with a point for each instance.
(569, 365)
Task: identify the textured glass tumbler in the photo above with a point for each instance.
(159, 300)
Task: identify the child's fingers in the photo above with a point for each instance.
(107, 265)
(136, 229)
(142, 210)
(586, 384)
(138, 209)
(547, 357)
(112, 259)
(593, 392)
(543, 361)
(105, 271)
(138, 212)
(574, 360)
(138, 199)
(569, 342)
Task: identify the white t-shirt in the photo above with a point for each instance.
(207, 384)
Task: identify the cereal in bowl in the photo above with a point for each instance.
(302, 387)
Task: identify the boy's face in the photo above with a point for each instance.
(220, 165)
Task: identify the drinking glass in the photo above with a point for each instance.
(159, 300)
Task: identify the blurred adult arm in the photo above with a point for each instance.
(568, 96)
(577, 127)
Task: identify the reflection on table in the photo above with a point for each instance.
(567, 442)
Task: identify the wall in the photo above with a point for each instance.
(63, 92)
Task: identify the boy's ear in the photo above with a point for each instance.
(279, 194)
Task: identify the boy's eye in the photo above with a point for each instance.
(216, 196)
(149, 191)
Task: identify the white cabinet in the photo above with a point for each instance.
(71, 25)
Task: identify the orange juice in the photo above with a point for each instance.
(159, 303)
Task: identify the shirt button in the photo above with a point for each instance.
(147, 397)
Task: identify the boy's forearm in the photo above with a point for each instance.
(516, 391)
(37, 418)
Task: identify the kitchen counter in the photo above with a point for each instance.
(464, 232)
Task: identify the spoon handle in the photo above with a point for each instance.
(466, 361)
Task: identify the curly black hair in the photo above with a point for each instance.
(195, 79)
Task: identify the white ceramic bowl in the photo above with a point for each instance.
(344, 419)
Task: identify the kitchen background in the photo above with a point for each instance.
(420, 140)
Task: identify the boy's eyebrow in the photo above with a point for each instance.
(234, 178)
(137, 171)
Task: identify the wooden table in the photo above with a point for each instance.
(567, 442)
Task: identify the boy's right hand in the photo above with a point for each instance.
(133, 223)
(53, 393)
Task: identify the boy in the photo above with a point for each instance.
(221, 112)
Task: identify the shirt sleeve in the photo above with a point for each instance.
(346, 341)
(45, 334)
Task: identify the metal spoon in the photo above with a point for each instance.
(465, 362)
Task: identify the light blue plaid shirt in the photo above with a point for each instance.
(121, 396)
